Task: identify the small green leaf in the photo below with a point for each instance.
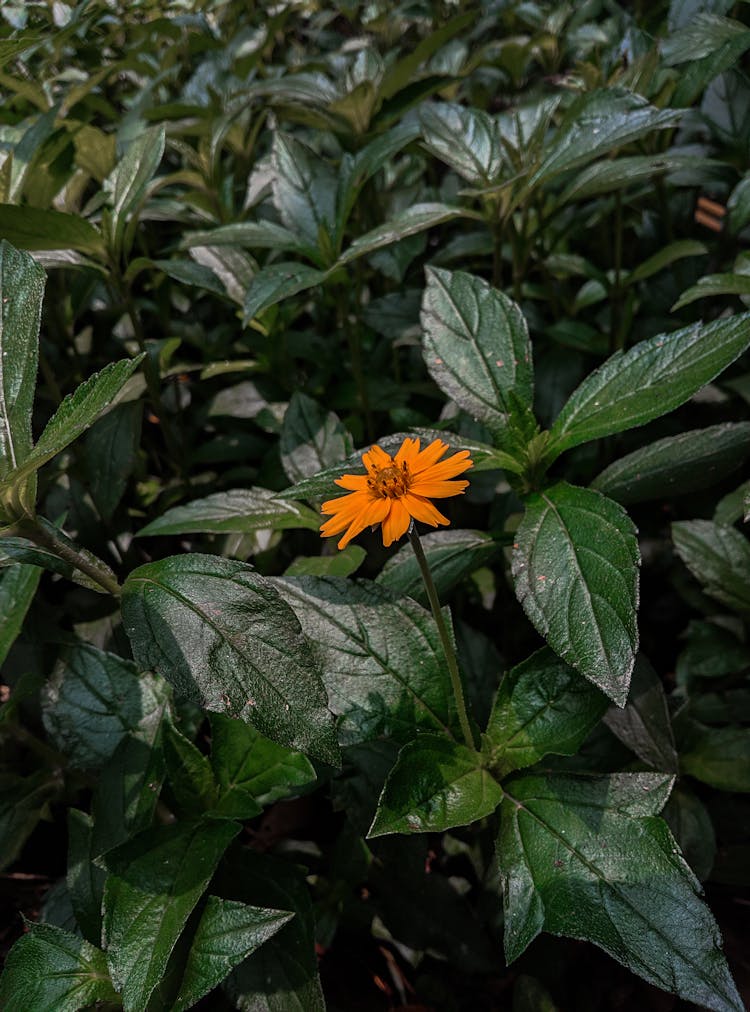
(718, 557)
(128, 181)
(111, 454)
(278, 282)
(415, 219)
(586, 857)
(451, 555)
(238, 511)
(712, 285)
(248, 235)
(189, 774)
(154, 883)
(250, 770)
(18, 586)
(542, 706)
(436, 784)
(702, 36)
(677, 464)
(654, 377)
(311, 438)
(220, 633)
(619, 173)
(575, 565)
(304, 191)
(667, 255)
(476, 346)
(711, 651)
(343, 563)
(50, 970)
(469, 140)
(34, 228)
(227, 933)
(719, 756)
(643, 724)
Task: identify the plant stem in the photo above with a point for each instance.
(450, 654)
(42, 536)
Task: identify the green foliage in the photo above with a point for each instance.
(239, 245)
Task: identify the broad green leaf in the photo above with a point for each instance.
(643, 724)
(730, 508)
(187, 272)
(380, 657)
(689, 821)
(476, 346)
(586, 857)
(236, 511)
(575, 565)
(21, 293)
(227, 933)
(155, 881)
(652, 378)
(632, 170)
(278, 282)
(50, 970)
(451, 556)
(542, 706)
(18, 585)
(128, 181)
(322, 485)
(343, 563)
(111, 454)
(22, 800)
(233, 267)
(436, 784)
(311, 438)
(702, 36)
(718, 557)
(249, 235)
(221, 634)
(414, 219)
(189, 774)
(282, 976)
(77, 412)
(714, 284)
(719, 756)
(667, 255)
(676, 465)
(304, 192)
(34, 228)
(251, 771)
(93, 699)
(711, 651)
(469, 140)
(598, 122)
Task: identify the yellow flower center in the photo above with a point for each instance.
(390, 482)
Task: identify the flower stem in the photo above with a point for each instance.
(44, 537)
(445, 639)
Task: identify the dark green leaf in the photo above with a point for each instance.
(250, 770)
(414, 219)
(575, 564)
(476, 345)
(189, 774)
(677, 464)
(656, 376)
(667, 255)
(451, 555)
(585, 857)
(155, 881)
(17, 588)
(93, 699)
(542, 706)
(234, 268)
(643, 724)
(227, 933)
(128, 181)
(719, 756)
(381, 658)
(22, 800)
(436, 784)
(718, 557)
(278, 282)
(34, 228)
(49, 970)
(343, 563)
(248, 234)
(686, 816)
(711, 652)
(110, 454)
(702, 36)
(223, 637)
(467, 139)
(85, 880)
(712, 285)
(304, 192)
(311, 438)
(237, 511)
(619, 173)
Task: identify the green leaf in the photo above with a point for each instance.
(542, 706)
(718, 557)
(237, 511)
(575, 565)
(643, 724)
(128, 181)
(223, 637)
(22, 800)
(18, 586)
(155, 881)
(84, 879)
(712, 285)
(704, 34)
(689, 821)
(50, 970)
(711, 651)
(628, 172)
(311, 438)
(719, 756)
(21, 293)
(248, 235)
(402, 72)
(667, 255)
(343, 563)
(250, 770)
(436, 784)
(451, 555)
(233, 268)
(278, 282)
(34, 228)
(22, 550)
(304, 191)
(676, 465)
(111, 454)
(586, 857)
(414, 219)
(227, 933)
(598, 122)
(93, 699)
(476, 346)
(467, 139)
(189, 773)
(381, 658)
(652, 378)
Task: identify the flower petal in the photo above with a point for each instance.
(396, 523)
(345, 502)
(408, 452)
(375, 512)
(427, 457)
(423, 509)
(376, 459)
(449, 468)
(355, 482)
(437, 489)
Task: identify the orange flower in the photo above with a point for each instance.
(394, 490)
